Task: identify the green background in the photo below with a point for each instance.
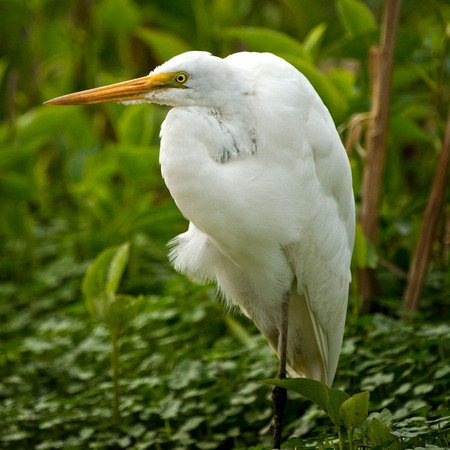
(76, 180)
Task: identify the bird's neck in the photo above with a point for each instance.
(235, 132)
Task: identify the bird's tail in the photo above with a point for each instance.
(307, 350)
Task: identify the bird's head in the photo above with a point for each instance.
(192, 78)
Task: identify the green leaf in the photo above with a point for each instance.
(238, 330)
(105, 272)
(372, 257)
(314, 38)
(44, 123)
(356, 17)
(192, 423)
(3, 68)
(336, 398)
(405, 129)
(345, 82)
(364, 254)
(139, 163)
(136, 124)
(380, 434)
(354, 410)
(311, 389)
(377, 379)
(259, 39)
(120, 311)
(163, 44)
(359, 256)
(15, 187)
(117, 267)
(117, 16)
(329, 400)
(112, 310)
(100, 285)
(442, 372)
(16, 219)
(99, 305)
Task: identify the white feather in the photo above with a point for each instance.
(253, 160)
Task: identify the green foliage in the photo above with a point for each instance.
(354, 410)
(380, 434)
(75, 181)
(99, 288)
(187, 379)
(363, 253)
(329, 400)
(164, 45)
(106, 272)
(344, 411)
(266, 40)
(356, 17)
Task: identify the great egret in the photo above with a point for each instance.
(253, 160)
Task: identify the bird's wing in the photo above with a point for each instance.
(307, 346)
(322, 257)
(325, 304)
(316, 194)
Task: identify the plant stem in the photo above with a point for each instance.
(341, 440)
(115, 376)
(436, 199)
(168, 428)
(355, 294)
(382, 61)
(350, 438)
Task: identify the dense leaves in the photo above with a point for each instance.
(75, 181)
(185, 377)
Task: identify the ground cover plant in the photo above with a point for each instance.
(189, 375)
(76, 182)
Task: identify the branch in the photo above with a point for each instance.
(382, 62)
(416, 277)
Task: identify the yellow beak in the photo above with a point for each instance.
(119, 92)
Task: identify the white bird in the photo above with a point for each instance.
(253, 160)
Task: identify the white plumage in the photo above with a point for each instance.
(253, 160)
(258, 169)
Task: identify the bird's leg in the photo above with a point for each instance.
(279, 394)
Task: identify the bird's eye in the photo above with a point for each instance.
(181, 77)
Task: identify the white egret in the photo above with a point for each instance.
(253, 160)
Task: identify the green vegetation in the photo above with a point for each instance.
(79, 181)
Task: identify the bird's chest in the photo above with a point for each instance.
(205, 163)
(191, 156)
